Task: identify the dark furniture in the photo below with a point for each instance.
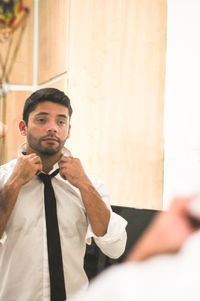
(138, 220)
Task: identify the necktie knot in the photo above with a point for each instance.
(47, 178)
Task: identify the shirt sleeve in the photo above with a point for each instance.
(113, 243)
(5, 171)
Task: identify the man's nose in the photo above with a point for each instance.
(52, 126)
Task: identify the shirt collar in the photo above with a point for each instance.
(65, 151)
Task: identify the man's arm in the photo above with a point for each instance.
(8, 197)
(24, 170)
(3, 129)
(167, 233)
(97, 211)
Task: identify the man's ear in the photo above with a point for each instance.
(69, 128)
(23, 127)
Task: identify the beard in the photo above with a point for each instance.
(36, 145)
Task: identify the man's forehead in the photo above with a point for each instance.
(48, 114)
(50, 108)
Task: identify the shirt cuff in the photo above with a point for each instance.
(116, 228)
(3, 239)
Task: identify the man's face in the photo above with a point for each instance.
(48, 128)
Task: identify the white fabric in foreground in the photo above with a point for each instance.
(165, 277)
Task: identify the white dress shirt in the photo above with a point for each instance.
(24, 274)
(172, 277)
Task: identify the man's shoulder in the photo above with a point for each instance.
(8, 166)
(95, 180)
(98, 184)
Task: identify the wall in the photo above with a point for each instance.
(116, 82)
(109, 56)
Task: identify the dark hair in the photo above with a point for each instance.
(42, 95)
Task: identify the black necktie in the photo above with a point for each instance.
(57, 282)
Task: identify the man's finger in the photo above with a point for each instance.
(65, 158)
(38, 172)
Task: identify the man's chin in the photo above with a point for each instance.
(49, 151)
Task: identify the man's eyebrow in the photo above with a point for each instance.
(62, 115)
(42, 113)
(45, 113)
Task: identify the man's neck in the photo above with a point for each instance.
(47, 161)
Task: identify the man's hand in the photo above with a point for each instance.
(26, 168)
(97, 211)
(72, 170)
(167, 233)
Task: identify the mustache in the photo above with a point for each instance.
(50, 136)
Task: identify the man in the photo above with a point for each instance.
(3, 129)
(82, 203)
(164, 264)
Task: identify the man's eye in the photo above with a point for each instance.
(61, 122)
(41, 120)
